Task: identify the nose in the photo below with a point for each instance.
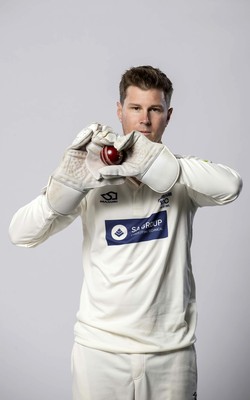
(145, 118)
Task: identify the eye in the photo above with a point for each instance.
(156, 109)
(136, 108)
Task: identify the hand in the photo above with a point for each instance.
(151, 163)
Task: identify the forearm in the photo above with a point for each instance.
(208, 183)
(36, 222)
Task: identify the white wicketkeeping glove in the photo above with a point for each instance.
(78, 172)
(151, 163)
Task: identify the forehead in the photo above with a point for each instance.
(140, 96)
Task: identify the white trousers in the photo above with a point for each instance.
(99, 375)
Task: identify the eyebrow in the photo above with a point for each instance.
(151, 106)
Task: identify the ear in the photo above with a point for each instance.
(170, 110)
(119, 110)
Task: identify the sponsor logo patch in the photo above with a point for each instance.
(125, 231)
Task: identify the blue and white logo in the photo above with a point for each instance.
(125, 231)
(119, 232)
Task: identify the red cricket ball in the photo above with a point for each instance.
(111, 156)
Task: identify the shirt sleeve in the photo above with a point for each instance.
(36, 222)
(207, 183)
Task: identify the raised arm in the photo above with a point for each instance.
(207, 183)
(59, 205)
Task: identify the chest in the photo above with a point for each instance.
(131, 213)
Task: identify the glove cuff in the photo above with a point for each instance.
(163, 172)
(63, 199)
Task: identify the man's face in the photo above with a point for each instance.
(145, 111)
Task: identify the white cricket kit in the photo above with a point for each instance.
(138, 293)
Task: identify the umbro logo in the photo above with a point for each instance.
(109, 197)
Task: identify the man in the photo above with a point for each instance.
(135, 329)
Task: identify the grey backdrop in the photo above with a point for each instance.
(61, 63)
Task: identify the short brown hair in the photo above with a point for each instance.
(145, 77)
